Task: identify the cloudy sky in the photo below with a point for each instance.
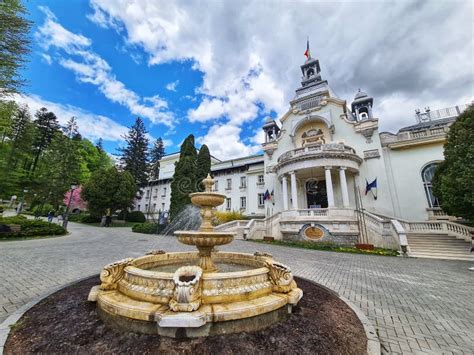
(217, 69)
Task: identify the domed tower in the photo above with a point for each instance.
(362, 106)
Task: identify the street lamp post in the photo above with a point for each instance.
(66, 215)
(20, 206)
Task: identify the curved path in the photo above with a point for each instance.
(416, 305)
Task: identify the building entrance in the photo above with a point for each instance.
(316, 194)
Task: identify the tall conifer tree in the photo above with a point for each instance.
(184, 178)
(156, 154)
(47, 125)
(135, 155)
(203, 166)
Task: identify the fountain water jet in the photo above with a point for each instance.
(196, 299)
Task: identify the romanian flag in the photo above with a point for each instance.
(307, 53)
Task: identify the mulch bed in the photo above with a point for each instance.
(66, 322)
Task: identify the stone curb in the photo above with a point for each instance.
(13, 318)
(373, 342)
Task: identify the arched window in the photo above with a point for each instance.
(427, 175)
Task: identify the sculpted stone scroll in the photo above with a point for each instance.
(281, 277)
(113, 273)
(188, 289)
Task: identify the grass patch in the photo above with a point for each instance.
(327, 247)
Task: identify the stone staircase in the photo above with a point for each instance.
(439, 246)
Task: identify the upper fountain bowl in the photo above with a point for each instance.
(207, 199)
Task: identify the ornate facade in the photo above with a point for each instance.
(326, 158)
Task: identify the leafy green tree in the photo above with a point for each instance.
(135, 155)
(109, 188)
(46, 126)
(156, 153)
(203, 166)
(453, 181)
(184, 178)
(14, 45)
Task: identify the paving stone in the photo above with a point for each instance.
(416, 305)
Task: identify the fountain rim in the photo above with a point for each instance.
(206, 193)
(204, 234)
(138, 271)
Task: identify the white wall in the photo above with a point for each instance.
(404, 169)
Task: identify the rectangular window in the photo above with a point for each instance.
(261, 200)
(164, 191)
(216, 185)
(138, 208)
(228, 203)
(243, 202)
(260, 180)
(163, 206)
(147, 193)
(229, 184)
(146, 208)
(154, 206)
(243, 181)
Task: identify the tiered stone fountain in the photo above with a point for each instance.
(193, 294)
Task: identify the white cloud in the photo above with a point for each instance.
(172, 86)
(47, 58)
(224, 142)
(250, 52)
(91, 126)
(90, 68)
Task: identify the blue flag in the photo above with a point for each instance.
(369, 187)
(266, 196)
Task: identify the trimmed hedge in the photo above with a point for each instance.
(135, 216)
(148, 228)
(84, 218)
(224, 217)
(29, 228)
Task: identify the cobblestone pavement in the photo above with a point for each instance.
(416, 305)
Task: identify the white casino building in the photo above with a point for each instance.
(317, 161)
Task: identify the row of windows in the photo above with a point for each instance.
(243, 182)
(243, 202)
(147, 193)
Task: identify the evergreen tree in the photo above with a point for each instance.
(47, 125)
(156, 154)
(14, 45)
(453, 181)
(203, 166)
(134, 156)
(184, 178)
(100, 145)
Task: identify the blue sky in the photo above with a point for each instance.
(218, 69)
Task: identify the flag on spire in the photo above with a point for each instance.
(307, 53)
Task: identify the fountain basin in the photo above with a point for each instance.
(142, 296)
(210, 199)
(207, 239)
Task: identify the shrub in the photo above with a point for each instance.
(224, 217)
(148, 228)
(136, 216)
(42, 210)
(30, 228)
(89, 218)
(2, 209)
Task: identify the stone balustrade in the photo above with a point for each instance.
(318, 148)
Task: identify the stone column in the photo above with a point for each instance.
(285, 193)
(294, 191)
(329, 190)
(342, 179)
